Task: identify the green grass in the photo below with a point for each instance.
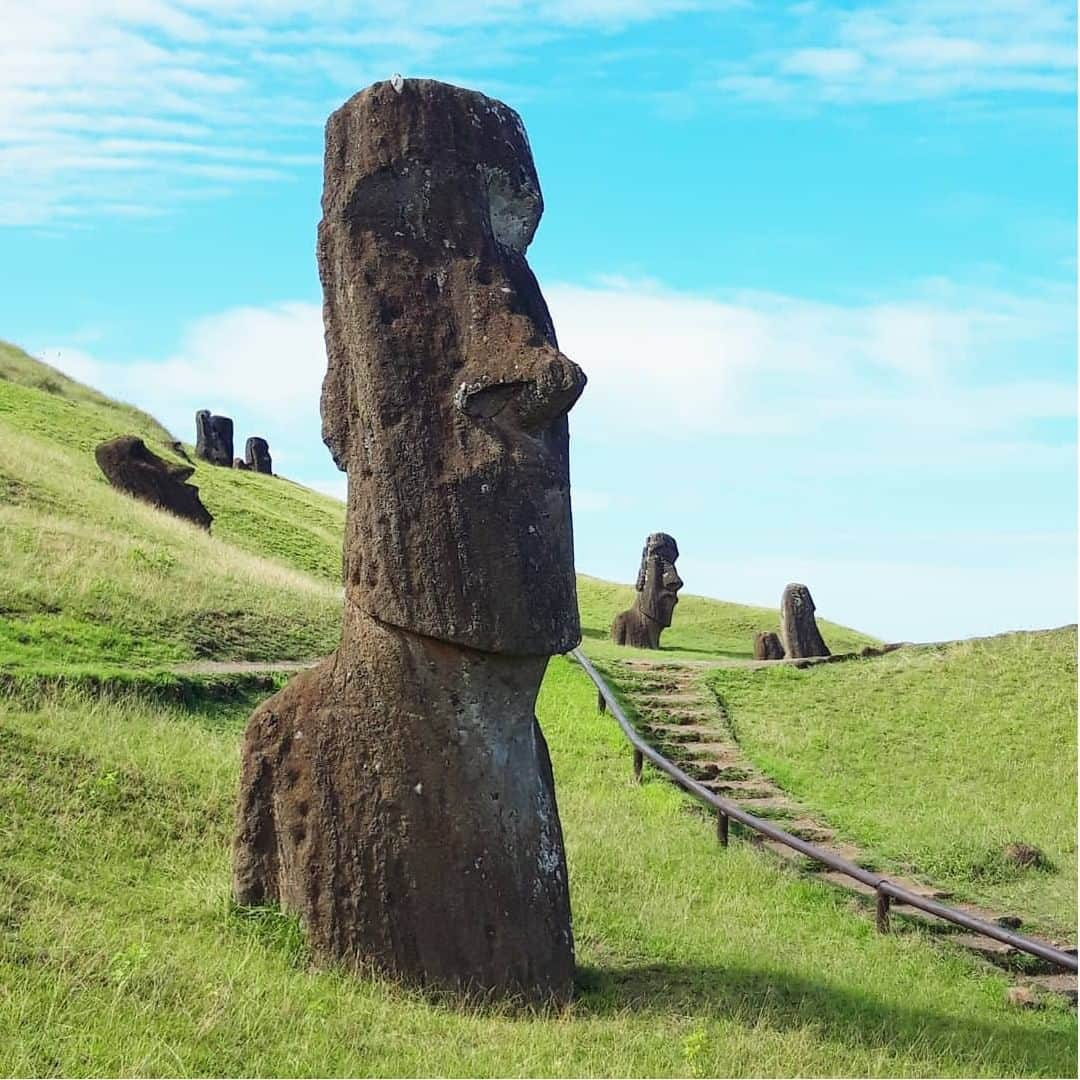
(934, 758)
(701, 629)
(92, 579)
(121, 955)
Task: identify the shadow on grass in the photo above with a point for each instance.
(783, 1001)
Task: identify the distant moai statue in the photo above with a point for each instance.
(399, 797)
(767, 646)
(241, 464)
(658, 585)
(257, 455)
(213, 438)
(798, 627)
(128, 464)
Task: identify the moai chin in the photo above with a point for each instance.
(214, 438)
(257, 455)
(798, 627)
(658, 585)
(399, 796)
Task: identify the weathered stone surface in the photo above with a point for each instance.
(399, 796)
(257, 455)
(798, 627)
(213, 438)
(767, 646)
(240, 463)
(130, 466)
(658, 586)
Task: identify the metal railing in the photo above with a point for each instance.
(886, 891)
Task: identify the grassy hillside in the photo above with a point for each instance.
(89, 576)
(702, 628)
(120, 953)
(936, 758)
(92, 578)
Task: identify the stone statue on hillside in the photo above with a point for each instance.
(767, 646)
(257, 455)
(658, 586)
(798, 627)
(130, 466)
(213, 438)
(399, 796)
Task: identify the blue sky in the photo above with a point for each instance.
(817, 259)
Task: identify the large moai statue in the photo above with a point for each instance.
(128, 464)
(767, 646)
(213, 438)
(658, 586)
(399, 796)
(257, 455)
(798, 627)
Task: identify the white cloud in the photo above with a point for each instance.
(908, 50)
(759, 365)
(234, 81)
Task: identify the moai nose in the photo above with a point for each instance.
(544, 386)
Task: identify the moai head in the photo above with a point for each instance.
(257, 455)
(213, 438)
(131, 466)
(658, 583)
(797, 598)
(446, 396)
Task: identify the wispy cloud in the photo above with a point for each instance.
(910, 50)
(235, 91)
(940, 373)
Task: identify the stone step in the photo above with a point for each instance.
(765, 807)
(667, 701)
(1062, 983)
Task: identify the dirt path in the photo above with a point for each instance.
(242, 667)
(681, 717)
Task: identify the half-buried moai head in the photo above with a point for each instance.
(214, 438)
(446, 395)
(130, 466)
(767, 646)
(798, 627)
(257, 455)
(658, 584)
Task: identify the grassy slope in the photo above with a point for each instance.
(96, 577)
(701, 628)
(119, 953)
(92, 578)
(934, 758)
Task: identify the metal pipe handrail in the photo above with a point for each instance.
(886, 890)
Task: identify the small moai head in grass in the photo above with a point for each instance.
(767, 646)
(658, 582)
(214, 438)
(257, 455)
(130, 466)
(446, 395)
(798, 627)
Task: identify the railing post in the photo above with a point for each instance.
(884, 902)
(639, 760)
(601, 701)
(722, 822)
